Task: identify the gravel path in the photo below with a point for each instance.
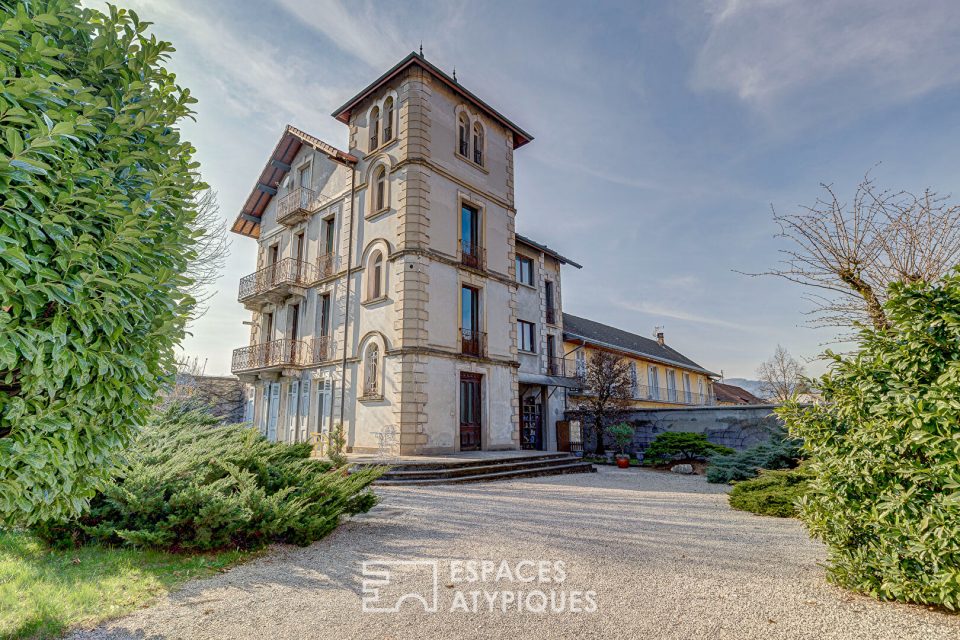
(664, 554)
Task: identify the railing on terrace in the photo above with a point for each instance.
(562, 367)
(288, 271)
(326, 265)
(298, 204)
(472, 254)
(320, 349)
(473, 343)
(679, 396)
(266, 355)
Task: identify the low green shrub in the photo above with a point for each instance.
(884, 449)
(779, 453)
(622, 435)
(682, 445)
(189, 483)
(772, 493)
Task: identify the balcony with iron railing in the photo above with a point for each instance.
(472, 255)
(271, 355)
(551, 315)
(326, 265)
(298, 205)
(563, 367)
(320, 350)
(276, 282)
(674, 396)
(473, 343)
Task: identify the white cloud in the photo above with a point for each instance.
(663, 311)
(828, 55)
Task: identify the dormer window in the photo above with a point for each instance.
(464, 137)
(374, 128)
(478, 143)
(388, 120)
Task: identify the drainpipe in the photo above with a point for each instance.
(346, 316)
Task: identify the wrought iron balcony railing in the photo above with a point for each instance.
(472, 254)
(563, 367)
(473, 343)
(320, 350)
(326, 264)
(275, 280)
(274, 354)
(551, 315)
(296, 206)
(679, 396)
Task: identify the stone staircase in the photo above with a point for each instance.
(483, 469)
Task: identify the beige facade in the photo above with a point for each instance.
(392, 291)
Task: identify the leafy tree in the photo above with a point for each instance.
(682, 445)
(884, 451)
(607, 391)
(96, 235)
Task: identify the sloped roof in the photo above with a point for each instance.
(547, 250)
(247, 222)
(580, 329)
(733, 394)
(520, 137)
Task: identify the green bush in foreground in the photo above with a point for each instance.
(779, 453)
(884, 452)
(682, 445)
(191, 484)
(773, 493)
(96, 234)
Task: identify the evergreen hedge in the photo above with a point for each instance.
(681, 445)
(779, 453)
(884, 452)
(189, 483)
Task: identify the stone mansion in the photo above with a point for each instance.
(392, 289)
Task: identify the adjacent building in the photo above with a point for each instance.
(391, 288)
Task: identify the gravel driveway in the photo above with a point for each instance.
(664, 555)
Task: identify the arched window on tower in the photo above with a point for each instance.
(374, 128)
(376, 286)
(464, 136)
(388, 120)
(371, 372)
(380, 189)
(478, 143)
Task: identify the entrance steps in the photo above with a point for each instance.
(485, 469)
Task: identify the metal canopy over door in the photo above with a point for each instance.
(470, 411)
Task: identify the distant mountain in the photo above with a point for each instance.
(753, 386)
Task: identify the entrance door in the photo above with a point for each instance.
(470, 403)
(531, 430)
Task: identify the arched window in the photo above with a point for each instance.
(371, 371)
(380, 189)
(374, 128)
(388, 120)
(478, 143)
(375, 276)
(464, 136)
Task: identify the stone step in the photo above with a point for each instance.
(550, 470)
(491, 466)
(464, 462)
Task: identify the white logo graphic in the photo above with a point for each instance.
(387, 584)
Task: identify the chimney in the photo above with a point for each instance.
(660, 337)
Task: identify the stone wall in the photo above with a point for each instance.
(222, 396)
(739, 427)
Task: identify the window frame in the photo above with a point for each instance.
(526, 330)
(520, 260)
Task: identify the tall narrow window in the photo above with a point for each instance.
(524, 270)
(379, 189)
(375, 273)
(267, 327)
(303, 176)
(671, 385)
(471, 343)
(552, 368)
(374, 129)
(478, 143)
(371, 371)
(464, 136)
(548, 296)
(324, 318)
(634, 383)
(470, 236)
(653, 382)
(526, 336)
(388, 120)
(687, 389)
(581, 363)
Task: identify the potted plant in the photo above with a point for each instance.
(622, 434)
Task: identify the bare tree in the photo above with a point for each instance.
(608, 388)
(849, 253)
(211, 251)
(781, 376)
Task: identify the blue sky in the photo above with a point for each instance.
(664, 133)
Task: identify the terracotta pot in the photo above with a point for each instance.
(623, 462)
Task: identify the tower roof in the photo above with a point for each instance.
(520, 137)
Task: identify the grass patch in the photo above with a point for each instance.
(774, 493)
(45, 592)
